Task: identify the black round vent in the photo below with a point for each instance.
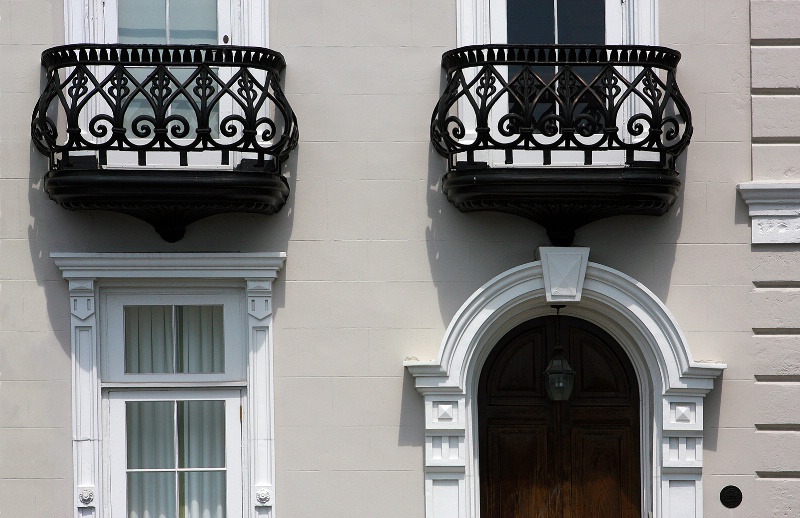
(730, 496)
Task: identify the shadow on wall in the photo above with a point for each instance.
(644, 247)
(55, 229)
(466, 250)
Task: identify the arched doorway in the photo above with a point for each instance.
(671, 385)
(546, 459)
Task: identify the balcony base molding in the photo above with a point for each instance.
(563, 199)
(170, 199)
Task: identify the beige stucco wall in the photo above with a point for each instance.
(379, 262)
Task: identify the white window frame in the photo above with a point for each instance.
(112, 329)
(94, 21)
(115, 440)
(94, 276)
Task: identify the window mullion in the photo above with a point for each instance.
(555, 21)
(166, 29)
(175, 358)
(176, 440)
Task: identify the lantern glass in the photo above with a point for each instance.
(559, 379)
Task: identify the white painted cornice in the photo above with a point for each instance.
(203, 265)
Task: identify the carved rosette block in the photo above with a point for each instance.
(86, 496)
(262, 496)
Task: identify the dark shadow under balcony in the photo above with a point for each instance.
(561, 135)
(167, 134)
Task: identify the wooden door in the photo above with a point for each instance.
(571, 459)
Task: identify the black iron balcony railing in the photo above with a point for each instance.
(525, 116)
(107, 110)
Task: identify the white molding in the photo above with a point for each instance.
(774, 207)
(672, 385)
(242, 266)
(90, 273)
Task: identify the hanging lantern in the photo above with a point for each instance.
(559, 376)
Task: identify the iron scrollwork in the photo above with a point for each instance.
(164, 98)
(549, 98)
(521, 124)
(106, 109)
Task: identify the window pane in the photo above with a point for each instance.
(192, 22)
(152, 495)
(150, 434)
(582, 21)
(201, 434)
(201, 346)
(142, 21)
(530, 22)
(202, 494)
(158, 337)
(148, 340)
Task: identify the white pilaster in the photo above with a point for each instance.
(262, 447)
(86, 396)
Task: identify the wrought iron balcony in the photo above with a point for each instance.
(108, 110)
(561, 135)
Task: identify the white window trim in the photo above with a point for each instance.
(671, 384)
(85, 22)
(89, 274)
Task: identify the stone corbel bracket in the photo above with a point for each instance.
(774, 209)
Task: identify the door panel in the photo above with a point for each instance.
(523, 489)
(599, 469)
(543, 459)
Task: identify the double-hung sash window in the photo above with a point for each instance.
(175, 385)
(169, 22)
(172, 384)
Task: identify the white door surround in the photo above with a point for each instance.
(671, 384)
